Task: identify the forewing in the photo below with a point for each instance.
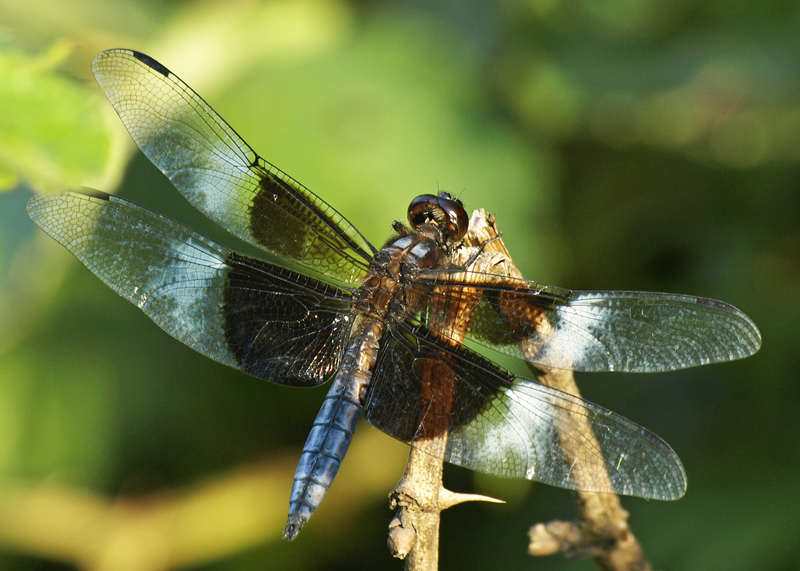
(212, 166)
(596, 331)
(508, 426)
(263, 319)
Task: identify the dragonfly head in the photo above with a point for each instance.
(444, 210)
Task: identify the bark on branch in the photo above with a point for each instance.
(420, 496)
(601, 530)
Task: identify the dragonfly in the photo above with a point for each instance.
(377, 322)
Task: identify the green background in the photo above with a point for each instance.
(622, 144)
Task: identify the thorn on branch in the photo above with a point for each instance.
(448, 499)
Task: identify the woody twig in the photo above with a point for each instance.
(601, 530)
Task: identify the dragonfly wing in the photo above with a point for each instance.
(629, 331)
(263, 319)
(221, 175)
(509, 426)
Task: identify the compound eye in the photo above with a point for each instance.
(445, 211)
(421, 210)
(457, 219)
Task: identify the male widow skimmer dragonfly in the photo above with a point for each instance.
(367, 318)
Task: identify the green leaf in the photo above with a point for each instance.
(52, 134)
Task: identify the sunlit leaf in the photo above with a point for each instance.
(51, 131)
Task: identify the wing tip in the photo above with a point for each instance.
(107, 54)
(752, 344)
(673, 490)
(668, 488)
(92, 193)
(32, 208)
(41, 206)
(151, 63)
(675, 485)
(143, 58)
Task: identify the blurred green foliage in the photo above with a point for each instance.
(51, 131)
(626, 144)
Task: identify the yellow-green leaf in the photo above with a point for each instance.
(52, 133)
